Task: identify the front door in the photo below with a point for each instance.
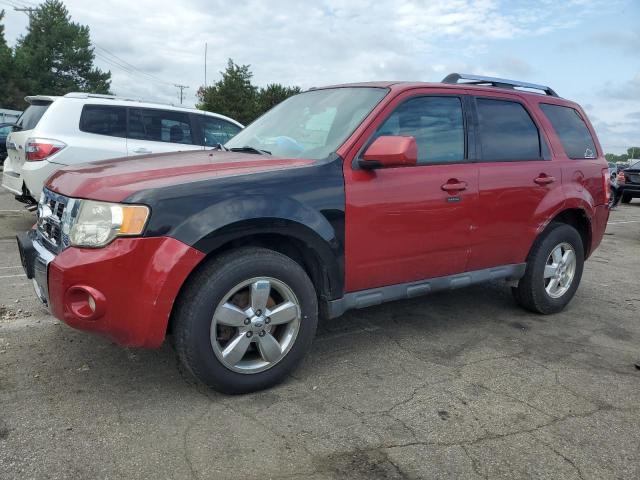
(412, 223)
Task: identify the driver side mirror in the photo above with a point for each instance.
(390, 151)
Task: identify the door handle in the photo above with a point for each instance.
(544, 179)
(141, 150)
(454, 185)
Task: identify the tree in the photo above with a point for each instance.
(272, 95)
(235, 96)
(633, 152)
(55, 56)
(9, 93)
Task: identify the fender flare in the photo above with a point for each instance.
(252, 215)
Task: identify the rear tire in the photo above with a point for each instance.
(626, 198)
(245, 320)
(548, 283)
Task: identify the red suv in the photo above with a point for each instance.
(338, 198)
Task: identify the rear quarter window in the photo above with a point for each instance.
(32, 115)
(571, 130)
(104, 120)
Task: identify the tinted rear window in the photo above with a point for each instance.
(507, 131)
(32, 115)
(160, 126)
(571, 129)
(104, 120)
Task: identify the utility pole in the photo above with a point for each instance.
(28, 10)
(181, 87)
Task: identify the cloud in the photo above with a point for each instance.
(307, 44)
(625, 41)
(629, 91)
(512, 66)
(324, 42)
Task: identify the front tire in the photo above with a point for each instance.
(245, 320)
(626, 198)
(553, 272)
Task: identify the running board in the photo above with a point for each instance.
(376, 296)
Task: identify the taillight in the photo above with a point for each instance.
(606, 185)
(38, 149)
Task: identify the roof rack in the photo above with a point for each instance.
(496, 82)
(123, 99)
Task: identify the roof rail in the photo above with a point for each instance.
(496, 82)
(124, 99)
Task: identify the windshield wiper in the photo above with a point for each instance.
(249, 149)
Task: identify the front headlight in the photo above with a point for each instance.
(95, 224)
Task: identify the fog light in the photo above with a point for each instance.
(92, 303)
(85, 303)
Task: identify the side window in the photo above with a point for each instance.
(159, 126)
(507, 132)
(216, 130)
(104, 120)
(437, 125)
(571, 129)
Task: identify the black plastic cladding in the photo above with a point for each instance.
(306, 203)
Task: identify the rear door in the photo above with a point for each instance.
(104, 134)
(520, 186)
(412, 223)
(577, 148)
(158, 131)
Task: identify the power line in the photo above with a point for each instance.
(132, 73)
(128, 65)
(101, 53)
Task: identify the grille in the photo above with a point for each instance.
(634, 177)
(50, 213)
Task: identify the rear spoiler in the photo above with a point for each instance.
(40, 98)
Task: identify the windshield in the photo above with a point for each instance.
(32, 115)
(635, 165)
(309, 125)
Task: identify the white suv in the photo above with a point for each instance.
(57, 131)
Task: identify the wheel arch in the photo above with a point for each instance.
(579, 219)
(322, 260)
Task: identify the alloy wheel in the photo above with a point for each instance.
(255, 325)
(560, 270)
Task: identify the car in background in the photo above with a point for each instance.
(54, 132)
(631, 186)
(5, 129)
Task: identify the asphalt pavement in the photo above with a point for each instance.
(462, 384)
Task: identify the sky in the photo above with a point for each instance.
(586, 50)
